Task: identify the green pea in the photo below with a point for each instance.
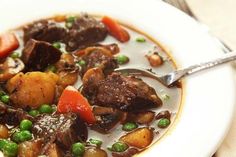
(15, 55)
(96, 142)
(25, 135)
(45, 108)
(5, 99)
(119, 147)
(26, 124)
(51, 68)
(10, 149)
(78, 149)
(129, 126)
(122, 59)
(57, 45)
(34, 113)
(22, 136)
(71, 19)
(3, 142)
(69, 25)
(163, 123)
(140, 39)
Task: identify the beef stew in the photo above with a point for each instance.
(43, 107)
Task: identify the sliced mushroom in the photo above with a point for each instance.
(144, 117)
(107, 118)
(10, 68)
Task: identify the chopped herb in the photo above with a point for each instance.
(2, 93)
(51, 68)
(165, 97)
(15, 55)
(97, 65)
(96, 142)
(69, 25)
(81, 63)
(57, 45)
(140, 39)
(109, 148)
(70, 19)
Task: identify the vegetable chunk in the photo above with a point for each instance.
(32, 89)
(139, 138)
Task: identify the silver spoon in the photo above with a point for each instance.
(170, 78)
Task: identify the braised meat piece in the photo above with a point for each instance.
(107, 118)
(126, 93)
(63, 129)
(12, 116)
(44, 31)
(85, 31)
(97, 56)
(37, 55)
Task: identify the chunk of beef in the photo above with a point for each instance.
(37, 55)
(107, 118)
(126, 93)
(85, 31)
(99, 57)
(62, 129)
(12, 116)
(44, 31)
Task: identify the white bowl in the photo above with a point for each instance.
(208, 103)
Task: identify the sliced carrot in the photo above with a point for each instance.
(8, 43)
(115, 29)
(72, 100)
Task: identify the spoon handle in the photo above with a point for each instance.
(178, 74)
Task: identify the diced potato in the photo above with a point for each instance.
(139, 138)
(32, 89)
(29, 148)
(3, 131)
(94, 152)
(53, 151)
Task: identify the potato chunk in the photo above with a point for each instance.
(32, 89)
(94, 152)
(30, 148)
(53, 151)
(139, 138)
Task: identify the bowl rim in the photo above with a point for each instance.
(156, 20)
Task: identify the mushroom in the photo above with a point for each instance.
(10, 68)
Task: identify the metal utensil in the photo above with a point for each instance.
(170, 78)
(182, 5)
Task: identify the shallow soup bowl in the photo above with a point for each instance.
(207, 105)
